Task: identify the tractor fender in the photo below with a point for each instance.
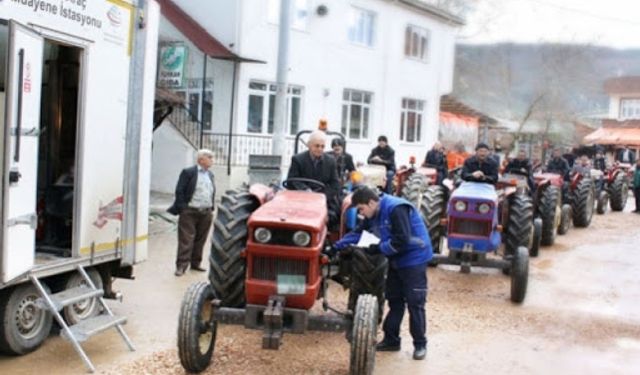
(262, 193)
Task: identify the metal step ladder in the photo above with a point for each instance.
(84, 329)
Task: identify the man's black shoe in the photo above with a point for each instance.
(198, 268)
(179, 272)
(419, 354)
(386, 347)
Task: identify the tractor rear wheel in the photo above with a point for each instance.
(519, 223)
(519, 274)
(368, 276)
(582, 203)
(547, 207)
(363, 344)
(413, 188)
(196, 330)
(602, 203)
(227, 267)
(619, 192)
(432, 209)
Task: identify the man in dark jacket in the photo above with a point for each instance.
(404, 240)
(480, 167)
(599, 162)
(194, 202)
(435, 158)
(522, 166)
(344, 161)
(636, 186)
(625, 155)
(558, 164)
(383, 154)
(314, 164)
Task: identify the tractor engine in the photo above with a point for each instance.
(286, 237)
(473, 218)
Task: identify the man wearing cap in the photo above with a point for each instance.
(195, 196)
(558, 164)
(383, 154)
(480, 167)
(404, 240)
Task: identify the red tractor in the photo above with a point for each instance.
(617, 180)
(269, 264)
(411, 182)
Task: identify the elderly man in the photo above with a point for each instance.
(436, 158)
(480, 167)
(195, 196)
(314, 164)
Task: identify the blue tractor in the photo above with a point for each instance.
(479, 219)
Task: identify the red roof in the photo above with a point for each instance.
(609, 123)
(622, 85)
(195, 33)
(614, 136)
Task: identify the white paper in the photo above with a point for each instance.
(367, 238)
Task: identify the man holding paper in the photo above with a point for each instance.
(404, 240)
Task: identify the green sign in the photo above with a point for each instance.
(171, 66)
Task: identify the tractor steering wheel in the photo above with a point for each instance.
(299, 183)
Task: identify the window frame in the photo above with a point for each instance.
(419, 112)
(357, 12)
(633, 107)
(348, 104)
(409, 46)
(193, 86)
(268, 107)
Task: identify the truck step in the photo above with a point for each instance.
(74, 295)
(92, 326)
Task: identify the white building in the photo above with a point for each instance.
(369, 67)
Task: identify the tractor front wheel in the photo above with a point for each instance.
(196, 328)
(368, 276)
(602, 203)
(534, 248)
(432, 209)
(363, 344)
(565, 219)
(519, 274)
(519, 222)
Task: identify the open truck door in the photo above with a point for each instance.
(20, 150)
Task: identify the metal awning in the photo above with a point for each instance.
(614, 136)
(197, 34)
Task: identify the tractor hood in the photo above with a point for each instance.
(294, 209)
(475, 191)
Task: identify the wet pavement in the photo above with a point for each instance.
(581, 316)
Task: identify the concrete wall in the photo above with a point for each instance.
(218, 17)
(170, 154)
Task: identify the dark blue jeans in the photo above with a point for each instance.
(406, 287)
(390, 175)
(636, 193)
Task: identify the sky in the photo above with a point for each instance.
(612, 23)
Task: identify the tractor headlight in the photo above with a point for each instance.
(262, 235)
(301, 238)
(484, 208)
(460, 206)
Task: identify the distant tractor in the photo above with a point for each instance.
(479, 220)
(269, 264)
(411, 182)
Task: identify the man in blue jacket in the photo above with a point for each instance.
(405, 241)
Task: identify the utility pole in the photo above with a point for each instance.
(280, 114)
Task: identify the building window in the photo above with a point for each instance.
(362, 27)
(262, 103)
(629, 109)
(356, 113)
(299, 13)
(416, 43)
(411, 120)
(200, 108)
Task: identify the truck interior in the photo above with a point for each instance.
(57, 148)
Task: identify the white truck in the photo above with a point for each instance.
(77, 84)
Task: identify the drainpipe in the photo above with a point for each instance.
(280, 115)
(231, 114)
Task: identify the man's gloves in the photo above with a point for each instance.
(373, 249)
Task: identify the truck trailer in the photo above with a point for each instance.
(77, 85)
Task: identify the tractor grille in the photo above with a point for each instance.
(471, 227)
(268, 268)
